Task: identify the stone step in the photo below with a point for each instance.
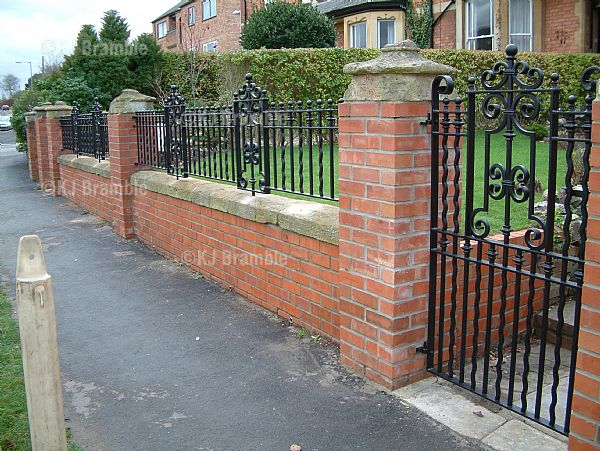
(568, 326)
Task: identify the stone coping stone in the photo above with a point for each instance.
(87, 164)
(312, 219)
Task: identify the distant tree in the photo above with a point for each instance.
(114, 27)
(145, 62)
(288, 25)
(10, 85)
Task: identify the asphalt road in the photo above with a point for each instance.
(154, 358)
(7, 137)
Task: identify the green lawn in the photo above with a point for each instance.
(281, 172)
(519, 212)
(14, 427)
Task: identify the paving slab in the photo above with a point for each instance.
(516, 435)
(155, 358)
(473, 416)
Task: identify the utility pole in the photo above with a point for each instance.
(30, 72)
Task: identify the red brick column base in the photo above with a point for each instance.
(32, 155)
(122, 138)
(384, 214)
(49, 144)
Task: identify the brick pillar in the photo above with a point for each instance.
(585, 416)
(32, 155)
(41, 147)
(384, 214)
(49, 143)
(122, 136)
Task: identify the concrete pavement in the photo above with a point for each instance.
(154, 357)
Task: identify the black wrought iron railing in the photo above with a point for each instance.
(501, 289)
(86, 133)
(260, 146)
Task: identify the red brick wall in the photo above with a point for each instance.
(286, 273)
(90, 191)
(561, 27)
(444, 31)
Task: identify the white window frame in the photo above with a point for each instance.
(391, 19)
(191, 15)
(470, 39)
(212, 9)
(351, 34)
(211, 43)
(530, 34)
(161, 26)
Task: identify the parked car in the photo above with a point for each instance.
(5, 123)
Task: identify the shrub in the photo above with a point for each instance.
(196, 75)
(419, 24)
(541, 131)
(300, 74)
(288, 25)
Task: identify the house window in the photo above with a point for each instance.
(386, 32)
(209, 9)
(358, 35)
(480, 24)
(191, 15)
(161, 29)
(210, 46)
(521, 23)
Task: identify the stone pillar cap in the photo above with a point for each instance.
(52, 111)
(131, 101)
(400, 58)
(49, 106)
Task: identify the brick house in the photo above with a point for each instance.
(208, 25)
(537, 25)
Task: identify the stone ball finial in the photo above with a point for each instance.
(405, 46)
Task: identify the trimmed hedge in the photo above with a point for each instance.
(290, 74)
(301, 74)
(570, 66)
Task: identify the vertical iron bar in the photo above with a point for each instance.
(548, 265)
(519, 260)
(266, 153)
(309, 122)
(320, 144)
(435, 168)
(578, 276)
(331, 124)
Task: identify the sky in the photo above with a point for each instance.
(32, 28)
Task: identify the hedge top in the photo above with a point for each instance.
(401, 58)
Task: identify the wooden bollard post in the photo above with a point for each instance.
(39, 345)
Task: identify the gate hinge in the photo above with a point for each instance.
(425, 349)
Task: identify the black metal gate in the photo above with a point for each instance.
(507, 258)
